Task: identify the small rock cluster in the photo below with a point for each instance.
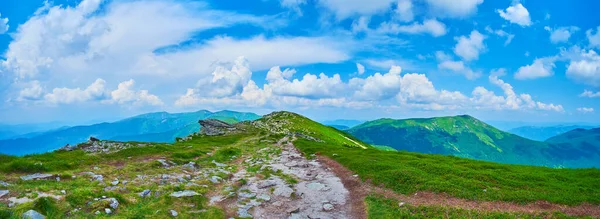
(215, 127)
(94, 145)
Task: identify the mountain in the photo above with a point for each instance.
(151, 127)
(582, 143)
(340, 127)
(541, 133)
(342, 123)
(280, 166)
(465, 136)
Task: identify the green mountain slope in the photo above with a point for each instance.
(462, 136)
(151, 127)
(579, 145)
(541, 133)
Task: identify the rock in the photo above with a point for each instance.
(114, 203)
(31, 214)
(164, 163)
(58, 179)
(283, 191)
(145, 193)
(264, 197)
(215, 127)
(355, 175)
(97, 212)
(63, 192)
(401, 204)
(219, 164)
(190, 165)
(68, 148)
(94, 176)
(114, 183)
(92, 140)
(37, 176)
(5, 184)
(215, 179)
(266, 184)
(108, 211)
(315, 186)
(3, 193)
(293, 210)
(327, 207)
(173, 213)
(243, 212)
(186, 193)
(246, 195)
(216, 199)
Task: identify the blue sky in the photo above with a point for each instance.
(88, 60)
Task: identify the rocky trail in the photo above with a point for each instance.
(299, 187)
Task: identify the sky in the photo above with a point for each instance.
(76, 61)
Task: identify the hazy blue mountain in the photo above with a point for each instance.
(343, 122)
(8, 131)
(340, 127)
(465, 136)
(578, 144)
(151, 127)
(541, 133)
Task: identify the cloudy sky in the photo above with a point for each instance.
(71, 60)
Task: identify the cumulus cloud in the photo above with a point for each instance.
(561, 34)
(584, 66)
(469, 48)
(517, 14)
(501, 33)
(3, 25)
(445, 62)
(125, 95)
(360, 68)
(593, 38)
(347, 8)
(540, 68)
(430, 26)
(585, 109)
(377, 86)
(33, 91)
(454, 8)
(404, 10)
(95, 91)
(590, 94)
(293, 4)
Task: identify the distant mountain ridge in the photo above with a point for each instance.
(542, 133)
(465, 136)
(150, 127)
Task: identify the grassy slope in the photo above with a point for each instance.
(407, 172)
(463, 136)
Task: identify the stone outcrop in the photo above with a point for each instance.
(215, 127)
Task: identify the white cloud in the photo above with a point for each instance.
(445, 62)
(310, 86)
(360, 68)
(430, 26)
(361, 24)
(3, 25)
(124, 95)
(469, 48)
(377, 86)
(454, 8)
(501, 33)
(585, 67)
(590, 94)
(33, 91)
(540, 68)
(347, 8)
(293, 4)
(404, 10)
(516, 14)
(94, 92)
(593, 38)
(561, 34)
(419, 90)
(585, 109)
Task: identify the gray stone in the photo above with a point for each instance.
(114, 203)
(31, 214)
(215, 127)
(266, 184)
(186, 193)
(293, 210)
(173, 213)
(190, 165)
(246, 195)
(36, 176)
(219, 164)
(145, 193)
(114, 183)
(327, 207)
(5, 184)
(315, 186)
(215, 179)
(283, 191)
(3, 193)
(108, 211)
(264, 197)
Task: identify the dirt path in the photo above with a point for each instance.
(359, 190)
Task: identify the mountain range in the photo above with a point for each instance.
(541, 133)
(465, 136)
(151, 127)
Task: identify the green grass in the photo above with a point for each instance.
(378, 207)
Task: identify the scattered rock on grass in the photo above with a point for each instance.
(36, 176)
(3, 193)
(186, 193)
(145, 193)
(31, 214)
(2, 183)
(327, 207)
(173, 213)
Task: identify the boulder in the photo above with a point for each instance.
(5, 184)
(145, 193)
(36, 176)
(31, 214)
(215, 127)
(186, 193)
(3, 193)
(173, 213)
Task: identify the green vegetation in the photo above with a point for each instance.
(386, 208)
(407, 172)
(465, 136)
